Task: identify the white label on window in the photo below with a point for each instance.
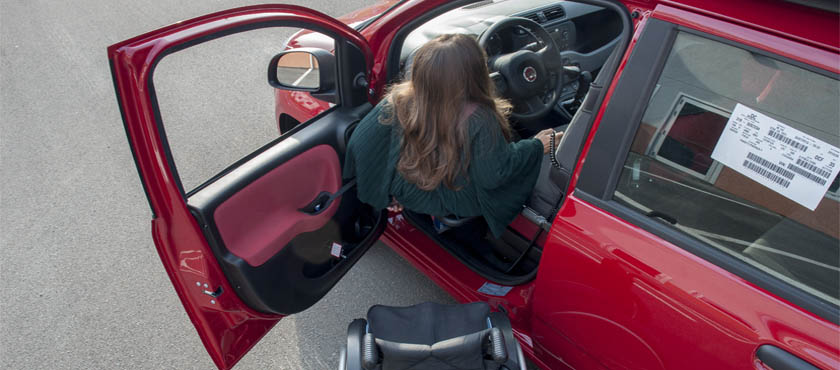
(782, 158)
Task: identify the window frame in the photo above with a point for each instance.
(833, 195)
(653, 149)
(610, 146)
(347, 58)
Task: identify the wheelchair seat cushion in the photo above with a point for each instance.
(431, 336)
(427, 323)
(459, 353)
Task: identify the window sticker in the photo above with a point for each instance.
(782, 158)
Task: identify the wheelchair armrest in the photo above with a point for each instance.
(497, 346)
(355, 334)
(370, 354)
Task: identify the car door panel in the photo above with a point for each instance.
(252, 211)
(633, 291)
(256, 222)
(630, 303)
(255, 211)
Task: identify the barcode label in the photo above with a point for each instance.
(806, 174)
(789, 141)
(819, 171)
(765, 149)
(770, 165)
(766, 174)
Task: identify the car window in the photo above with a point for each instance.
(216, 104)
(685, 164)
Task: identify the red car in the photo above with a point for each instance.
(690, 220)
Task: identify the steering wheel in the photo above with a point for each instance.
(533, 80)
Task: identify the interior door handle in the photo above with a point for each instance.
(779, 359)
(323, 200)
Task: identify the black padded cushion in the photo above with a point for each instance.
(430, 335)
(427, 323)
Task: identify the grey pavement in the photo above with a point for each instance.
(81, 284)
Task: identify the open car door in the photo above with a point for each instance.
(271, 234)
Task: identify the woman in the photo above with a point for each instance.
(440, 143)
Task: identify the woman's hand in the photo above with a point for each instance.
(544, 137)
(395, 206)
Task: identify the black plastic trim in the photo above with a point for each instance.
(827, 5)
(286, 122)
(326, 72)
(779, 359)
(602, 168)
(350, 62)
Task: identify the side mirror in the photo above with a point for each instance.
(304, 69)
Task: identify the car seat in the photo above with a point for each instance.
(432, 336)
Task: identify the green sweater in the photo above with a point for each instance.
(499, 179)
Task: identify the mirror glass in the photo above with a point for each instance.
(298, 69)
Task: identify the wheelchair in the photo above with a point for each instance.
(432, 336)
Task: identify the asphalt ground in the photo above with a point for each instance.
(81, 285)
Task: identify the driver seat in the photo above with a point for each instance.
(432, 336)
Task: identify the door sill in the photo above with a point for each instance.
(469, 258)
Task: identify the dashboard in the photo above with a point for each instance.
(585, 34)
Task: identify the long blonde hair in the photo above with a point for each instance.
(449, 72)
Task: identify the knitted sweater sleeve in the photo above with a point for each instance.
(367, 159)
(494, 161)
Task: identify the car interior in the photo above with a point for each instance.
(575, 40)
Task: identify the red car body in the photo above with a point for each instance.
(608, 293)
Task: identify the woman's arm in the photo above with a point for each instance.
(494, 161)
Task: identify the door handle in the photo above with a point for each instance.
(779, 359)
(323, 200)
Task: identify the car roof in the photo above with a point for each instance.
(813, 22)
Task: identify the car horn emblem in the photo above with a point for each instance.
(530, 74)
